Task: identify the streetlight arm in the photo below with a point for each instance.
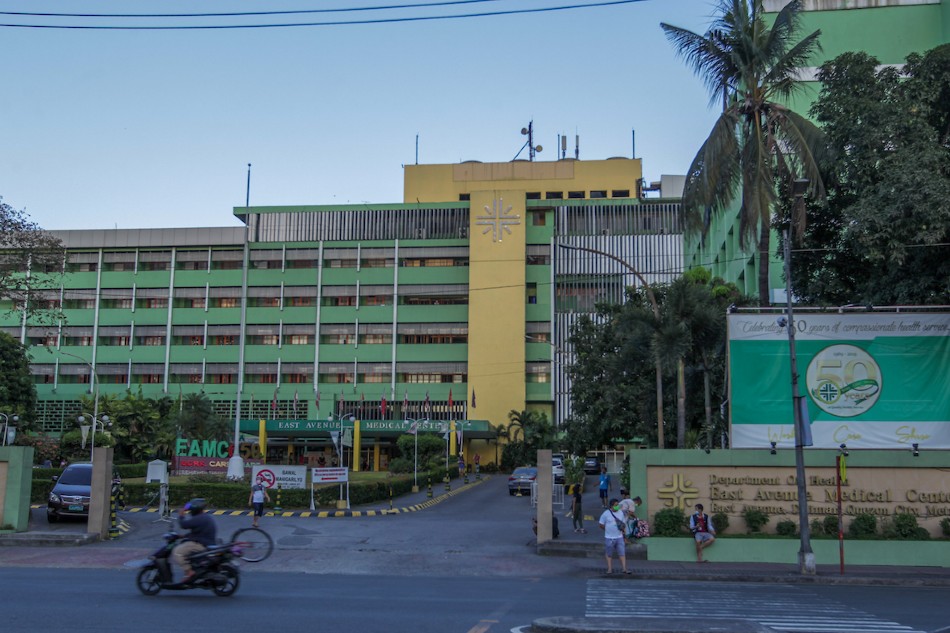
(646, 285)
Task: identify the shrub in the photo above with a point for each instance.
(755, 519)
(720, 521)
(401, 465)
(863, 526)
(786, 528)
(830, 523)
(904, 527)
(817, 527)
(669, 522)
(945, 526)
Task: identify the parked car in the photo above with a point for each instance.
(592, 466)
(521, 479)
(558, 470)
(70, 493)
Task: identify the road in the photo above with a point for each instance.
(466, 565)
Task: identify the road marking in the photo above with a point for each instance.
(806, 613)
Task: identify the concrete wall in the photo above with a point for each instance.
(16, 479)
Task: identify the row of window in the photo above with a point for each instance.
(265, 264)
(266, 378)
(252, 339)
(253, 302)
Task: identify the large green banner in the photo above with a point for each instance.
(869, 380)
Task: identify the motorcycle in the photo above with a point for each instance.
(214, 569)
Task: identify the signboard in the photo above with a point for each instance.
(869, 380)
(330, 475)
(205, 465)
(284, 476)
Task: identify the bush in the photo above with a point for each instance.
(945, 526)
(755, 519)
(720, 521)
(817, 527)
(904, 527)
(863, 526)
(669, 522)
(830, 524)
(786, 528)
(401, 465)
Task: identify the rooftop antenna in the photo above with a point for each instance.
(563, 146)
(417, 149)
(577, 146)
(532, 150)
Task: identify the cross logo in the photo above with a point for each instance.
(498, 219)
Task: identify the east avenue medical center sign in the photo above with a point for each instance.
(870, 380)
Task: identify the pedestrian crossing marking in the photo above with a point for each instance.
(806, 613)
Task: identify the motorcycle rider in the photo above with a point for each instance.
(202, 533)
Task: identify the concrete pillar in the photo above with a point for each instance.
(545, 508)
(101, 491)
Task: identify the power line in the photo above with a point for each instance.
(242, 13)
(336, 23)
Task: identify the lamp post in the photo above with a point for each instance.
(338, 441)
(806, 558)
(102, 422)
(414, 424)
(656, 315)
(9, 432)
(94, 388)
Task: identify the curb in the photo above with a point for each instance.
(646, 625)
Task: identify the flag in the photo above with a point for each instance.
(450, 403)
(405, 404)
(273, 404)
(382, 406)
(362, 400)
(181, 400)
(413, 428)
(318, 399)
(296, 402)
(340, 408)
(250, 407)
(428, 408)
(459, 434)
(473, 398)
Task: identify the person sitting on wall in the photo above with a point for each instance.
(701, 525)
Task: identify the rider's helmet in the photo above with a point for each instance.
(195, 506)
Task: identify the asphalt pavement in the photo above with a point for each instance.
(565, 549)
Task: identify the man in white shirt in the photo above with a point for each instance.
(613, 524)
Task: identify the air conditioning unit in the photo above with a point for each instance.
(421, 233)
(463, 232)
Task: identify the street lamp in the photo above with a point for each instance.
(101, 421)
(656, 315)
(806, 558)
(9, 432)
(414, 424)
(337, 436)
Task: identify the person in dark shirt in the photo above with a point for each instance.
(202, 533)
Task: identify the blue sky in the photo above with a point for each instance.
(141, 129)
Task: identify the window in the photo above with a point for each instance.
(575, 194)
(377, 339)
(299, 302)
(223, 340)
(380, 262)
(554, 195)
(598, 193)
(222, 379)
(620, 193)
(533, 195)
(155, 266)
(196, 340)
(337, 339)
(298, 339)
(78, 341)
(539, 218)
(531, 290)
(377, 300)
(225, 302)
(340, 301)
(465, 197)
(202, 265)
(150, 341)
(227, 265)
(153, 302)
(433, 339)
(264, 302)
(117, 304)
(337, 378)
(296, 379)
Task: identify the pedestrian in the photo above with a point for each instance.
(257, 498)
(461, 466)
(604, 486)
(701, 525)
(577, 511)
(629, 510)
(612, 523)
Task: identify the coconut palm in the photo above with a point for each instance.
(757, 144)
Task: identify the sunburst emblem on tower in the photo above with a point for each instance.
(498, 219)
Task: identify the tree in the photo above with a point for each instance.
(882, 237)
(26, 248)
(17, 390)
(756, 143)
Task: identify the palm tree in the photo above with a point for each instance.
(757, 144)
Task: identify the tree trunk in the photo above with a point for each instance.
(659, 405)
(680, 403)
(708, 406)
(764, 256)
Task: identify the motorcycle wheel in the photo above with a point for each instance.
(149, 581)
(229, 583)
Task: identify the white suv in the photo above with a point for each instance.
(558, 468)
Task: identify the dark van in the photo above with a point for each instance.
(70, 494)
